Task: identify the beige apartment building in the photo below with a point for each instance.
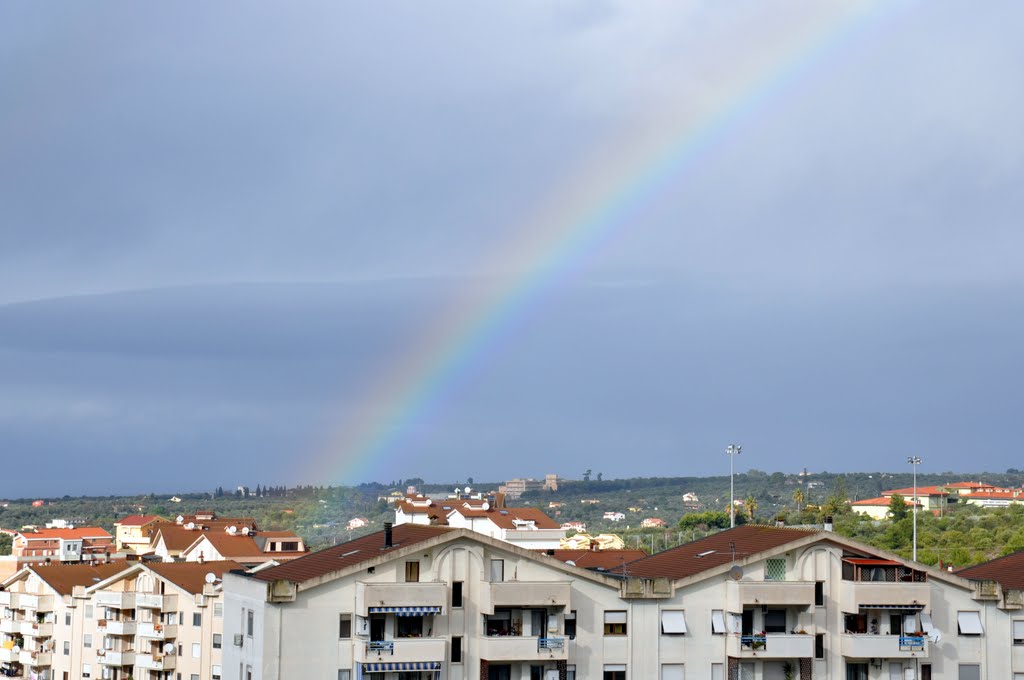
(759, 603)
(114, 621)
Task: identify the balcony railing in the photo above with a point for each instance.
(155, 662)
(39, 630)
(157, 631)
(771, 646)
(115, 599)
(117, 627)
(36, 659)
(10, 626)
(873, 646)
(528, 594)
(40, 603)
(517, 648)
(857, 595)
(401, 650)
(381, 646)
(383, 595)
(156, 601)
(779, 593)
(8, 599)
(7, 655)
(109, 657)
(550, 643)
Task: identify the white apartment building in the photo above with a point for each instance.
(114, 621)
(753, 602)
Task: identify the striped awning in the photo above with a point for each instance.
(405, 611)
(383, 667)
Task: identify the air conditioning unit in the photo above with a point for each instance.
(238, 639)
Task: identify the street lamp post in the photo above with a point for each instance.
(732, 451)
(914, 462)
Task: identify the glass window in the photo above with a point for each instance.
(614, 672)
(819, 646)
(775, 570)
(717, 671)
(497, 571)
(673, 671)
(673, 622)
(570, 672)
(344, 674)
(970, 671)
(409, 626)
(819, 594)
(412, 572)
(456, 649)
(197, 650)
(197, 618)
(570, 625)
(216, 672)
(67, 648)
(67, 618)
(87, 640)
(615, 623)
(457, 594)
(856, 671)
(344, 626)
(775, 621)
(218, 610)
(248, 622)
(218, 641)
(195, 676)
(969, 623)
(717, 622)
(1018, 632)
(88, 611)
(86, 670)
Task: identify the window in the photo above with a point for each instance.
(716, 671)
(344, 674)
(197, 618)
(819, 594)
(248, 673)
(615, 672)
(216, 672)
(67, 648)
(673, 623)
(172, 618)
(88, 611)
(570, 625)
(67, 618)
(536, 672)
(197, 650)
(248, 622)
(970, 671)
(108, 642)
(673, 671)
(344, 626)
(194, 676)
(218, 641)
(87, 640)
(497, 571)
(856, 671)
(819, 646)
(456, 594)
(969, 623)
(717, 622)
(218, 610)
(1018, 632)
(775, 621)
(775, 570)
(614, 624)
(86, 670)
(570, 672)
(409, 626)
(412, 572)
(926, 671)
(456, 649)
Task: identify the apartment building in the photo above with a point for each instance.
(754, 602)
(114, 621)
(131, 533)
(62, 545)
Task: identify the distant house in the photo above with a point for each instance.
(357, 523)
(38, 504)
(691, 501)
(653, 523)
(555, 504)
(132, 533)
(589, 501)
(614, 516)
(175, 499)
(878, 508)
(635, 509)
(930, 497)
(62, 545)
(578, 527)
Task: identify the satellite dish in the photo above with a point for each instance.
(570, 563)
(180, 519)
(190, 526)
(736, 573)
(211, 578)
(169, 648)
(245, 531)
(485, 506)
(468, 489)
(16, 649)
(232, 530)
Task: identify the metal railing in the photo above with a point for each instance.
(550, 643)
(911, 643)
(754, 641)
(381, 646)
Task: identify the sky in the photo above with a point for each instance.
(336, 242)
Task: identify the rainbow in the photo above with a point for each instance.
(579, 218)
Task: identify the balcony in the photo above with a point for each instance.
(157, 631)
(379, 595)
(10, 626)
(754, 593)
(401, 650)
(8, 655)
(527, 594)
(155, 662)
(771, 646)
(8, 599)
(866, 646)
(109, 657)
(37, 659)
(40, 603)
(857, 595)
(513, 648)
(39, 630)
(155, 601)
(115, 600)
(116, 627)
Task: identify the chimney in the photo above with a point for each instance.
(389, 538)
(828, 523)
(499, 500)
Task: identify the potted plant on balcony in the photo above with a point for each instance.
(788, 671)
(759, 641)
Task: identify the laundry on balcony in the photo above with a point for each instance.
(405, 611)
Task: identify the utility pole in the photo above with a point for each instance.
(732, 451)
(914, 462)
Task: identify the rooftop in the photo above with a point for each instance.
(1008, 571)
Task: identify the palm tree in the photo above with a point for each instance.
(798, 498)
(751, 505)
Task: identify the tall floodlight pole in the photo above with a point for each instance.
(914, 462)
(732, 451)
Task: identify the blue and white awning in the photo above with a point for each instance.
(405, 611)
(383, 667)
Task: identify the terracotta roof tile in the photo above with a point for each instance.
(138, 520)
(883, 500)
(1008, 571)
(921, 491)
(713, 551)
(191, 576)
(347, 554)
(77, 532)
(64, 577)
(597, 559)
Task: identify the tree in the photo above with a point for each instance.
(600, 476)
(750, 504)
(586, 475)
(5, 544)
(897, 507)
(799, 499)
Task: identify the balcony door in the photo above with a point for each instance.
(503, 672)
(538, 623)
(747, 626)
(377, 627)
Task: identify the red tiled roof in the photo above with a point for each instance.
(597, 559)
(64, 577)
(872, 562)
(191, 576)
(967, 485)
(138, 520)
(66, 534)
(921, 491)
(883, 500)
(713, 551)
(338, 557)
(506, 517)
(1001, 494)
(1008, 571)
